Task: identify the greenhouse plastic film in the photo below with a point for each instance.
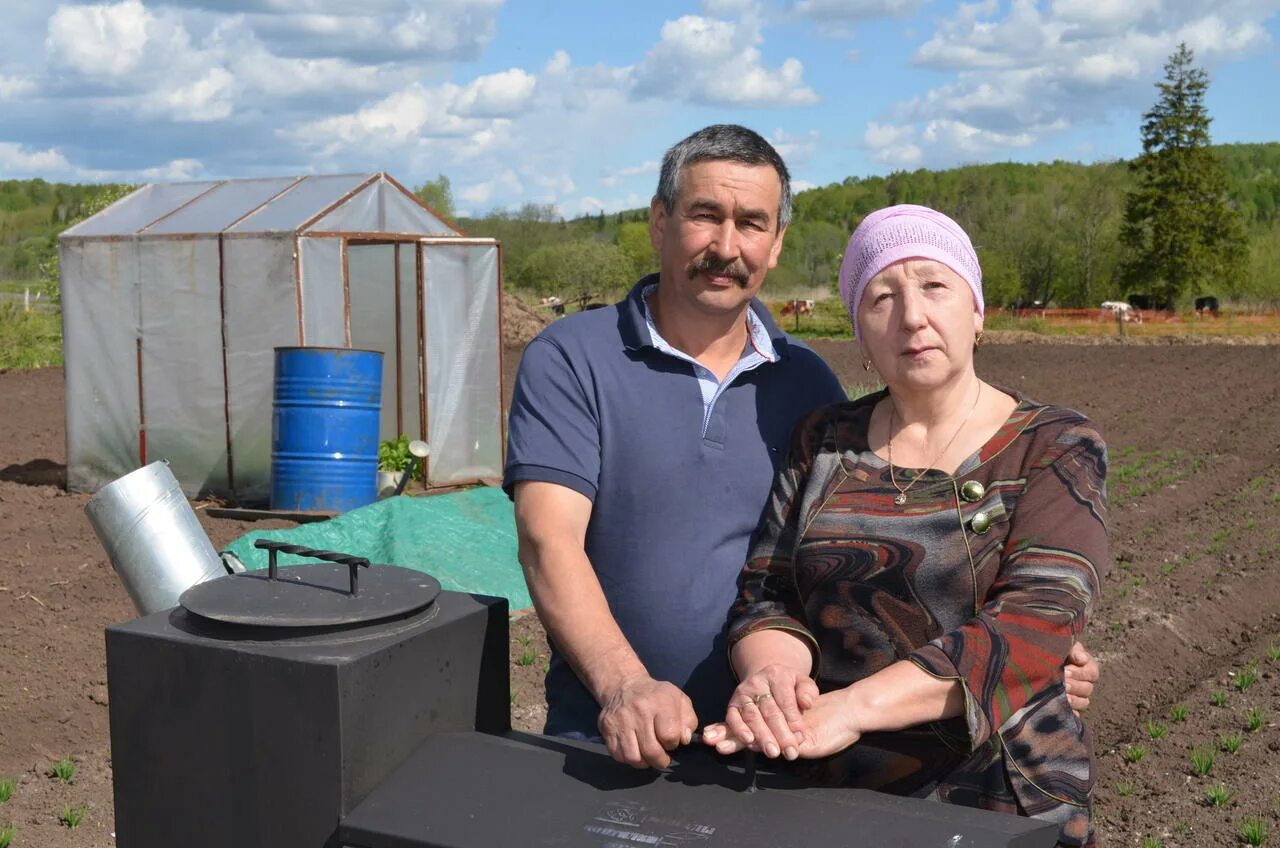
(464, 412)
(99, 339)
(182, 378)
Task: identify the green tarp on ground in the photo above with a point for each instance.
(466, 540)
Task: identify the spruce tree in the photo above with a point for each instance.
(1181, 237)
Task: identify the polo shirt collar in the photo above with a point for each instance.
(635, 328)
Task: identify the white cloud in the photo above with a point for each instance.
(798, 186)
(100, 40)
(206, 99)
(892, 144)
(1023, 72)
(502, 186)
(174, 171)
(15, 87)
(16, 160)
(612, 178)
(473, 111)
(590, 205)
(715, 62)
(795, 148)
(440, 30)
(855, 10)
(496, 95)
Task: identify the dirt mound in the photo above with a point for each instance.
(520, 322)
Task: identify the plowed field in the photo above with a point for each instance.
(1189, 625)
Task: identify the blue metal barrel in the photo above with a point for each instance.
(324, 428)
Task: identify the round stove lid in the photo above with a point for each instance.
(344, 591)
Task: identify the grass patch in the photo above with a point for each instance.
(1246, 677)
(29, 339)
(1254, 830)
(1139, 473)
(1151, 842)
(1218, 698)
(1230, 742)
(1155, 729)
(1218, 794)
(64, 769)
(1202, 760)
(1254, 719)
(1134, 753)
(73, 815)
(7, 785)
(1124, 790)
(528, 656)
(1179, 712)
(6, 836)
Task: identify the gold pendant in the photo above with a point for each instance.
(900, 500)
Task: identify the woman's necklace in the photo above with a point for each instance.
(893, 476)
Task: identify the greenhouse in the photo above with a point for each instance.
(175, 297)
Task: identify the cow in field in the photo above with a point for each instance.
(1207, 306)
(1119, 309)
(797, 307)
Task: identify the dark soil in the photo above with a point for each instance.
(1189, 603)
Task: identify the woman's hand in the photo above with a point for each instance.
(765, 713)
(830, 725)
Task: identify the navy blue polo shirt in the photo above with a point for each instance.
(599, 409)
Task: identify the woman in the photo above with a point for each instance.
(929, 554)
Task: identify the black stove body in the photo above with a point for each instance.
(228, 735)
(393, 732)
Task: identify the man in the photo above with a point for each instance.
(643, 442)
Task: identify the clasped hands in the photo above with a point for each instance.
(778, 711)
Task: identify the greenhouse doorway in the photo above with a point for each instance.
(385, 316)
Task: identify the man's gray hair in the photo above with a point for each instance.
(722, 143)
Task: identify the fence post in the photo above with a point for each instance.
(1120, 323)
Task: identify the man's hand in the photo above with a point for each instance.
(642, 719)
(1080, 673)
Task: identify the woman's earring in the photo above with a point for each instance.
(977, 340)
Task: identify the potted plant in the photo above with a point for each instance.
(394, 456)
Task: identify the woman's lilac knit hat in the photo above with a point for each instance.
(902, 232)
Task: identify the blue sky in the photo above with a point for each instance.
(571, 102)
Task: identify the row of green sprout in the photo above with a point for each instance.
(1253, 829)
(72, 814)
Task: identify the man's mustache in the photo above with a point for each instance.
(712, 264)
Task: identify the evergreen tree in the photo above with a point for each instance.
(1180, 236)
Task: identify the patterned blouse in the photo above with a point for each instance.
(985, 577)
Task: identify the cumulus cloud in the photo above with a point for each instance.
(495, 190)
(850, 11)
(101, 40)
(496, 95)
(716, 62)
(13, 87)
(17, 160)
(1023, 72)
(893, 144)
(795, 148)
(418, 30)
(613, 178)
(476, 110)
(208, 98)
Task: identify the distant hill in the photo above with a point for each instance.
(1044, 232)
